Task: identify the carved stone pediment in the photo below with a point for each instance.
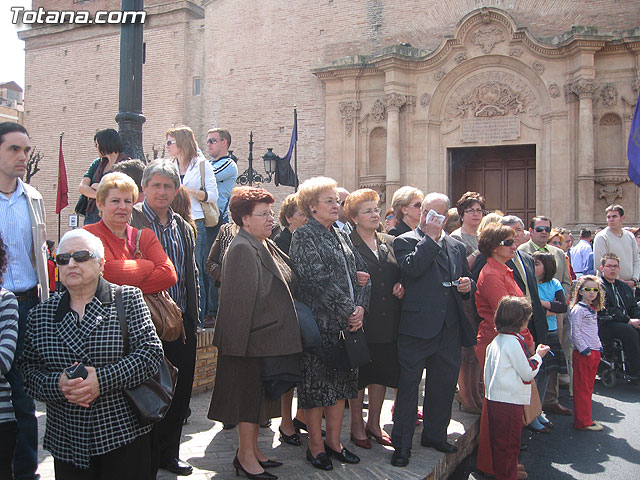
(491, 94)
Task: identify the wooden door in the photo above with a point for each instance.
(506, 176)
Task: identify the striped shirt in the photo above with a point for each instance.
(172, 243)
(8, 339)
(15, 226)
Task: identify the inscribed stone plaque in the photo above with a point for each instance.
(490, 130)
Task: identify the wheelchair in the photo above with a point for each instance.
(613, 365)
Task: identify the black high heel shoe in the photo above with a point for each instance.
(252, 476)
(269, 463)
(344, 455)
(290, 439)
(298, 425)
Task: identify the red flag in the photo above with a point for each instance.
(63, 188)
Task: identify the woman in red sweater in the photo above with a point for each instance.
(496, 281)
(152, 273)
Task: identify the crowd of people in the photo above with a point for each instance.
(498, 314)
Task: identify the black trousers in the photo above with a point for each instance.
(441, 356)
(8, 439)
(630, 338)
(129, 462)
(168, 431)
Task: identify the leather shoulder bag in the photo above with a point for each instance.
(165, 313)
(210, 210)
(150, 400)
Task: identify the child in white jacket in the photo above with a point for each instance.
(508, 372)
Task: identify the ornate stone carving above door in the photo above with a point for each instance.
(609, 94)
(491, 94)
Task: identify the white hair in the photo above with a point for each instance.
(433, 196)
(94, 244)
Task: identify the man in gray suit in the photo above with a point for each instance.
(432, 329)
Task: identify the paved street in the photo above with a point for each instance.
(567, 454)
(211, 450)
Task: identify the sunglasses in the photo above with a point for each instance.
(213, 140)
(507, 243)
(453, 283)
(543, 229)
(170, 142)
(591, 289)
(79, 257)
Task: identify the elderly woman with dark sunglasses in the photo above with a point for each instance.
(91, 430)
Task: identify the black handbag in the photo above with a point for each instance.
(352, 351)
(150, 400)
(81, 205)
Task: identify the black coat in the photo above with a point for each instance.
(382, 318)
(424, 267)
(399, 229)
(612, 312)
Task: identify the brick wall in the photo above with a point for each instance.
(206, 363)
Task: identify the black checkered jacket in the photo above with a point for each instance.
(55, 339)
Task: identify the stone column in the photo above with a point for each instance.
(393, 102)
(585, 90)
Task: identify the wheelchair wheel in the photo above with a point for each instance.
(608, 378)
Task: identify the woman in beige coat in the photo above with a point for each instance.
(256, 319)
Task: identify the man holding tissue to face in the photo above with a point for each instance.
(432, 329)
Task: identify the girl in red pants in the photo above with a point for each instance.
(508, 372)
(587, 300)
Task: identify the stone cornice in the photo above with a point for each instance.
(577, 39)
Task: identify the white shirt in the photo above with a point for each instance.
(192, 180)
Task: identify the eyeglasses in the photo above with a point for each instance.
(556, 243)
(416, 205)
(473, 211)
(453, 283)
(332, 201)
(213, 140)
(369, 211)
(507, 243)
(80, 256)
(543, 229)
(264, 215)
(591, 289)
(170, 142)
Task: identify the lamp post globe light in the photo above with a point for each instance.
(251, 176)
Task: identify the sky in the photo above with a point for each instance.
(12, 64)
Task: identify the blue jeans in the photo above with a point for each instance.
(25, 457)
(206, 237)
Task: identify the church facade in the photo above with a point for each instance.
(529, 103)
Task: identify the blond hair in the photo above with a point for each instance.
(403, 197)
(598, 302)
(310, 191)
(119, 181)
(185, 141)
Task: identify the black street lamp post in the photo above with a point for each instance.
(249, 176)
(130, 117)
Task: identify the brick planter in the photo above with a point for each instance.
(206, 362)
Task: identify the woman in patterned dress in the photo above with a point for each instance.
(326, 264)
